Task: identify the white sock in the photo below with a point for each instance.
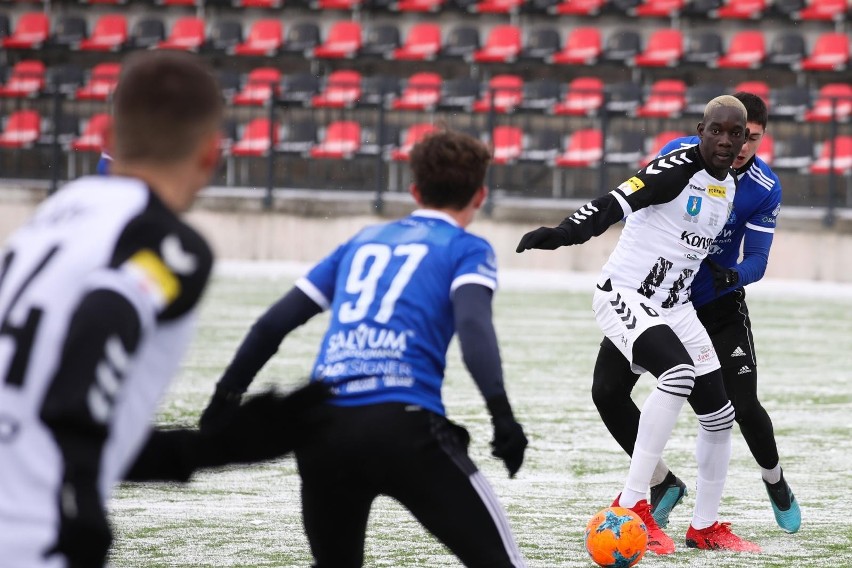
(660, 473)
(771, 475)
(713, 453)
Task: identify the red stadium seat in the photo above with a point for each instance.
(258, 137)
(666, 99)
(342, 90)
(583, 47)
(830, 53)
(261, 85)
(265, 37)
(418, 5)
(26, 80)
(833, 10)
(342, 140)
(584, 97)
(22, 130)
(842, 162)
(422, 92)
(766, 152)
(94, 134)
(658, 8)
(31, 31)
(585, 149)
(657, 143)
(498, 6)
(507, 143)
(413, 135)
(502, 46)
(508, 92)
(836, 96)
(343, 41)
(109, 34)
(102, 82)
(759, 88)
(187, 34)
(423, 43)
(579, 7)
(664, 49)
(747, 50)
(742, 9)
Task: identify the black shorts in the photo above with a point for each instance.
(727, 322)
(354, 454)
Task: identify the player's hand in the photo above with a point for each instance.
(723, 278)
(509, 442)
(220, 410)
(84, 533)
(545, 238)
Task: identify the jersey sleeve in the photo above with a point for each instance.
(320, 282)
(760, 231)
(476, 263)
(678, 144)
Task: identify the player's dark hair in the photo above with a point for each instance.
(755, 108)
(164, 104)
(449, 167)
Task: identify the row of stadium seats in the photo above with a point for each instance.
(345, 139)
(795, 10)
(427, 91)
(507, 43)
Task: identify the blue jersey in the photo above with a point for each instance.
(390, 293)
(104, 162)
(753, 218)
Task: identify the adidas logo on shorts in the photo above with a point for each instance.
(744, 369)
(738, 352)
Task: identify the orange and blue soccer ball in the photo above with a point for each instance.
(616, 538)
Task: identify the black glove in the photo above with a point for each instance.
(84, 533)
(220, 410)
(546, 238)
(723, 278)
(509, 441)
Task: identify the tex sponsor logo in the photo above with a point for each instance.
(632, 185)
(717, 191)
(705, 354)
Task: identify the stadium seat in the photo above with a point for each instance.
(64, 79)
(584, 97)
(542, 145)
(108, 34)
(539, 6)
(31, 32)
(664, 49)
(421, 92)
(459, 94)
(833, 99)
(788, 8)
(27, 79)
(790, 101)
(297, 137)
(265, 37)
(302, 38)
(666, 99)
(625, 148)
(462, 42)
(105, 2)
(187, 34)
(299, 88)
(766, 152)
(502, 45)
(697, 97)
(840, 163)
(261, 85)
(372, 146)
(747, 50)
(343, 41)
(102, 82)
(69, 32)
(270, 4)
(229, 82)
(794, 153)
(623, 6)
(506, 143)
(831, 10)
(656, 144)
(62, 132)
(342, 90)
(703, 48)
(335, 4)
(179, 2)
(380, 41)
(742, 9)
(147, 33)
(422, 44)
(417, 5)
(341, 141)
(701, 8)
(4, 27)
(94, 133)
(658, 8)
(584, 149)
(582, 47)
(503, 94)
(497, 6)
(759, 88)
(541, 95)
(622, 46)
(579, 7)
(378, 90)
(541, 44)
(830, 53)
(463, 6)
(787, 50)
(225, 36)
(624, 97)
(258, 136)
(22, 130)
(413, 135)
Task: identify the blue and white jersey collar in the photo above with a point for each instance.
(434, 214)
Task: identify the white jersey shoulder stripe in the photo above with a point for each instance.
(313, 292)
(473, 279)
(761, 178)
(623, 202)
(759, 228)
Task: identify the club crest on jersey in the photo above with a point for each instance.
(717, 191)
(693, 208)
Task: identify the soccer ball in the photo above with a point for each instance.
(616, 537)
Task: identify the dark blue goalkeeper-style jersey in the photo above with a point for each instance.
(389, 291)
(750, 226)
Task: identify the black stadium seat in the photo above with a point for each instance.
(69, 32)
(225, 35)
(786, 50)
(299, 87)
(380, 41)
(64, 79)
(301, 37)
(147, 33)
(541, 94)
(622, 46)
(541, 43)
(461, 42)
(703, 48)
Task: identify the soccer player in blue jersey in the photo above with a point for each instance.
(719, 299)
(102, 169)
(397, 293)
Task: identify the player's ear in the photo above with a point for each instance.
(480, 196)
(700, 129)
(415, 193)
(210, 152)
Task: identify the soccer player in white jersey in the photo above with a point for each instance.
(397, 293)
(675, 207)
(719, 299)
(97, 299)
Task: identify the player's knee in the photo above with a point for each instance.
(607, 391)
(748, 409)
(678, 380)
(720, 420)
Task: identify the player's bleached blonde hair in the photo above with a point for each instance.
(724, 101)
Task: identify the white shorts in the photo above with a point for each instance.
(623, 315)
